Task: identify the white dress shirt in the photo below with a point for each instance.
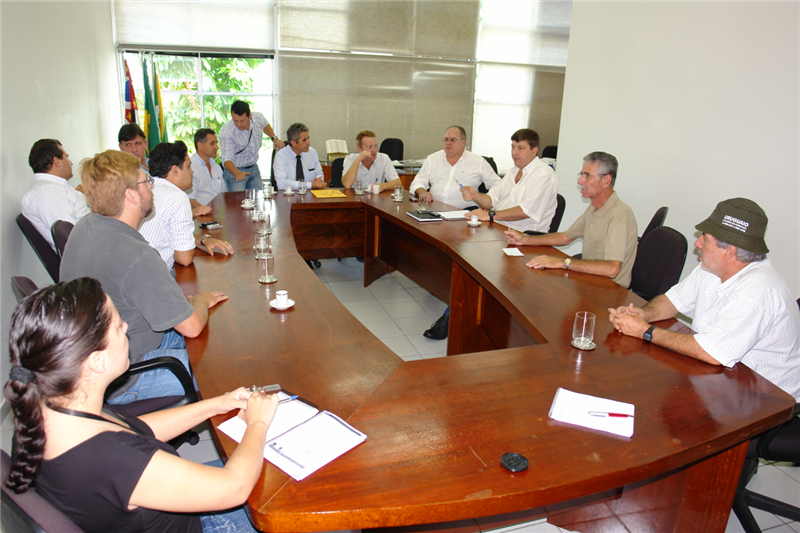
(535, 193)
(285, 166)
(170, 227)
(232, 140)
(205, 185)
(445, 180)
(381, 170)
(50, 199)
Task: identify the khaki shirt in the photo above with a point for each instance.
(609, 234)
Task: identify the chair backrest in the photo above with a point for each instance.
(61, 230)
(28, 512)
(781, 443)
(550, 151)
(393, 148)
(656, 222)
(272, 179)
(22, 287)
(659, 262)
(46, 254)
(337, 168)
(561, 205)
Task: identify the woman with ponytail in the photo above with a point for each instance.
(106, 470)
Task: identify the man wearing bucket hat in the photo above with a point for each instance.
(740, 305)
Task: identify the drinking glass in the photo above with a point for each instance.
(583, 330)
(263, 223)
(359, 187)
(301, 187)
(266, 269)
(251, 196)
(269, 190)
(398, 192)
(262, 246)
(424, 202)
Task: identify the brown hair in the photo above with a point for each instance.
(106, 177)
(362, 134)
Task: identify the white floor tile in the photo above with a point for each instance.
(433, 306)
(434, 355)
(341, 275)
(357, 298)
(404, 309)
(383, 328)
(369, 313)
(391, 296)
(536, 526)
(414, 325)
(411, 358)
(400, 346)
(791, 471)
(773, 482)
(339, 287)
(384, 283)
(427, 346)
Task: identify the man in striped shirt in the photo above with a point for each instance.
(170, 229)
(240, 141)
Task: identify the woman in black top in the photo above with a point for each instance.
(105, 470)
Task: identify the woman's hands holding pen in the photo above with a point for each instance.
(260, 407)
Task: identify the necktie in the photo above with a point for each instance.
(300, 176)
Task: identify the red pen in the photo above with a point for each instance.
(609, 415)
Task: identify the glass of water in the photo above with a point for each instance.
(263, 223)
(262, 246)
(301, 187)
(266, 268)
(583, 330)
(358, 188)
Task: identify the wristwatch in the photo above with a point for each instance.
(648, 335)
(492, 213)
(567, 262)
(203, 238)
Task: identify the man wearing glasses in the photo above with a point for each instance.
(369, 165)
(446, 171)
(608, 227)
(106, 245)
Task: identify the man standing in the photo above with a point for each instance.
(741, 308)
(369, 165)
(240, 141)
(169, 229)
(50, 197)
(206, 173)
(608, 227)
(525, 200)
(298, 161)
(447, 170)
(106, 246)
(132, 140)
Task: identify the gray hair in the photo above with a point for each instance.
(607, 164)
(294, 131)
(745, 256)
(459, 128)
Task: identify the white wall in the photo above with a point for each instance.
(58, 81)
(699, 103)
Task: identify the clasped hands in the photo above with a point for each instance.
(256, 406)
(628, 320)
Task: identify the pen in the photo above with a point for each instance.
(289, 399)
(609, 415)
(459, 183)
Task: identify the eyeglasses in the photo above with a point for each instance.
(586, 175)
(370, 147)
(149, 180)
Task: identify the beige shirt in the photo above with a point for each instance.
(609, 234)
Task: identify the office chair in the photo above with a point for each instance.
(60, 231)
(393, 148)
(337, 169)
(561, 205)
(659, 262)
(656, 222)
(778, 444)
(550, 151)
(272, 168)
(46, 254)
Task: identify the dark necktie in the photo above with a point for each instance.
(300, 176)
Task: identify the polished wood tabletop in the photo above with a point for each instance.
(437, 428)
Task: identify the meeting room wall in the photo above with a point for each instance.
(58, 81)
(699, 101)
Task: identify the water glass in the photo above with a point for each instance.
(263, 223)
(398, 192)
(358, 188)
(262, 246)
(301, 187)
(583, 330)
(424, 202)
(251, 196)
(266, 269)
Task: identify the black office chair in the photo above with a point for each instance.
(550, 151)
(272, 168)
(561, 205)
(337, 169)
(46, 254)
(656, 222)
(659, 262)
(60, 231)
(393, 148)
(778, 444)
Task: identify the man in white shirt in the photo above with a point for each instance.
(446, 171)
(240, 141)
(207, 180)
(525, 200)
(132, 140)
(369, 165)
(298, 161)
(169, 228)
(740, 306)
(50, 197)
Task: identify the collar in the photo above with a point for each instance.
(603, 211)
(52, 178)
(725, 288)
(163, 182)
(530, 167)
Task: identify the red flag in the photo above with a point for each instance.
(131, 111)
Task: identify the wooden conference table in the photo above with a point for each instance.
(437, 428)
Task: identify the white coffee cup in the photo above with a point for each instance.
(376, 188)
(282, 298)
(474, 220)
(287, 190)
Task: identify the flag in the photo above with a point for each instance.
(160, 110)
(131, 111)
(150, 122)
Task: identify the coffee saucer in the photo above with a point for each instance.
(395, 199)
(473, 225)
(274, 305)
(288, 193)
(248, 206)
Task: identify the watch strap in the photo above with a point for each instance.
(648, 335)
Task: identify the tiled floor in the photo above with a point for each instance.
(397, 311)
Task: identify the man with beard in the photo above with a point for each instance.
(106, 245)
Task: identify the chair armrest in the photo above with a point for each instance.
(169, 363)
(789, 429)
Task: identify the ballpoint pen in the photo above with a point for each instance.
(609, 415)
(289, 399)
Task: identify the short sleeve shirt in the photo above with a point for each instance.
(381, 170)
(535, 193)
(170, 227)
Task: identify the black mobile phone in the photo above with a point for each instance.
(210, 225)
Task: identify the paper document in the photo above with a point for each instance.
(328, 193)
(453, 215)
(514, 252)
(288, 415)
(592, 412)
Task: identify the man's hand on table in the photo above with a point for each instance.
(545, 261)
(515, 237)
(628, 320)
(318, 183)
(201, 210)
(223, 247)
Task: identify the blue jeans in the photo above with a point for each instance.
(161, 382)
(232, 521)
(253, 181)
